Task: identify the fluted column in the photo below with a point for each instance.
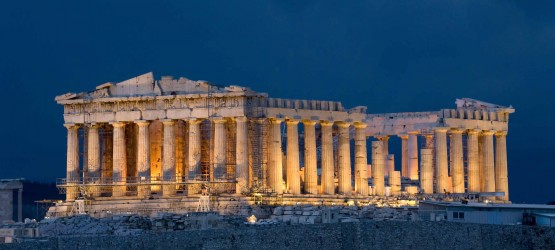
(93, 153)
(473, 162)
(404, 155)
(72, 163)
(345, 184)
(378, 167)
(457, 167)
(168, 158)
(241, 155)
(143, 158)
(219, 149)
(361, 161)
(275, 167)
(194, 153)
(385, 140)
(441, 167)
(119, 173)
(93, 160)
(310, 162)
(293, 178)
(427, 171)
(488, 161)
(501, 175)
(328, 184)
(413, 156)
(481, 161)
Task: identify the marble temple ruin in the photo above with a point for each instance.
(177, 137)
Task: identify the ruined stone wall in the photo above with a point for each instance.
(363, 235)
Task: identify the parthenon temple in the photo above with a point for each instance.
(177, 137)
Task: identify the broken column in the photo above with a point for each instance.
(413, 155)
(378, 167)
(426, 171)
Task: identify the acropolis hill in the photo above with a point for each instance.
(162, 144)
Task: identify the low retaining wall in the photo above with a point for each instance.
(362, 235)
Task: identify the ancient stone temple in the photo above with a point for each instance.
(175, 137)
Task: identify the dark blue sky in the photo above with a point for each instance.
(391, 56)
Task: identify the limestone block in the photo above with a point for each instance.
(278, 211)
(307, 213)
(294, 220)
(302, 219)
(288, 212)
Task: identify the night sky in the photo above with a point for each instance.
(391, 56)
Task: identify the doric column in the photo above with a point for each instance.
(93, 153)
(361, 161)
(219, 149)
(345, 185)
(275, 167)
(413, 155)
(501, 175)
(473, 161)
(378, 167)
(385, 140)
(429, 140)
(488, 161)
(427, 171)
(457, 167)
(328, 184)
(143, 158)
(481, 161)
(395, 182)
(293, 178)
(441, 167)
(241, 155)
(93, 160)
(119, 173)
(404, 155)
(390, 164)
(310, 162)
(168, 158)
(72, 167)
(194, 156)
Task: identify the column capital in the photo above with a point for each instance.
(343, 124)
(360, 125)
(382, 137)
(501, 133)
(71, 126)
(292, 122)
(194, 121)
(441, 129)
(241, 118)
(456, 131)
(413, 132)
(309, 122)
(473, 131)
(168, 122)
(403, 136)
(275, 121)
(117, 124)
(219, 120)
(142, 123)
(488, 132)
(326, 123)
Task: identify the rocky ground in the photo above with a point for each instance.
(130, 224)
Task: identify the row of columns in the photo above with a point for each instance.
(485, 173)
